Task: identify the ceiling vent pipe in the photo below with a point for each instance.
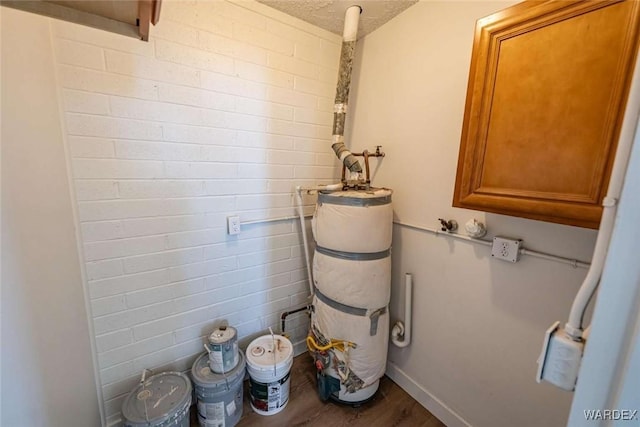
(347, 53)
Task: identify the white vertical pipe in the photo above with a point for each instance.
(401, 329)
(408, 302)
(303, 230)
(610, 204)
(351, 18)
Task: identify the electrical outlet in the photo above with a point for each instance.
(560, 359)
(506, 249)
(233, 224)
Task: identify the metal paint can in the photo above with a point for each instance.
(223, 349)
(218, 396)
(160, 401)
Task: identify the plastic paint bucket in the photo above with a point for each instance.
(223, 349)
(163, 400)
(269, 361)
(218, 396)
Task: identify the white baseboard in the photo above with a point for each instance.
(114, 421)
(441, 411)
(299, 348)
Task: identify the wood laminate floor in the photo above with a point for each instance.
(391, 406)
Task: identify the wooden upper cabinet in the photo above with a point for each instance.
(547, 92)
(127, 17)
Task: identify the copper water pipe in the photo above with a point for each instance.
(366, 155)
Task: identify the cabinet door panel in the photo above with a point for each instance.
(547, 90)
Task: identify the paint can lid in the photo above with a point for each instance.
(222, 335)
(261, 351)
(203, 376)
(159, 399)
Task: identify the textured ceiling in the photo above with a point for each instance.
(329, 14)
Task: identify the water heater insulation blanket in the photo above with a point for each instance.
(369, 359)
(363, 284)
(358, 228)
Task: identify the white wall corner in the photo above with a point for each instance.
(441, 411)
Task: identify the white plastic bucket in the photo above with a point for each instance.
(218, 396)
(269, 361)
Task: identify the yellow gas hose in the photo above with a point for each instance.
(339, 345)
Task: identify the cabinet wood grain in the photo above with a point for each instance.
(547, 90)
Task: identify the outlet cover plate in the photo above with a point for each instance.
(506, 249)
(233, 224)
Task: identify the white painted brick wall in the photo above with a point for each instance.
(223, 112)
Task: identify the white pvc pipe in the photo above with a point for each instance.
(321, 187)
(268, 220)
(574, 325)
(351, 18)
(303, 230)
(590, 283)
(400, 329)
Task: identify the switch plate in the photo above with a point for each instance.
(506, 249)
(233, 225)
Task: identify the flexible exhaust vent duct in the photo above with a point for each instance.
(351, 281)
(342, 90)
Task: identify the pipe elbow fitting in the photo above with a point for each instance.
(397, 331)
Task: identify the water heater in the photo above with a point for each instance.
(352, 285)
